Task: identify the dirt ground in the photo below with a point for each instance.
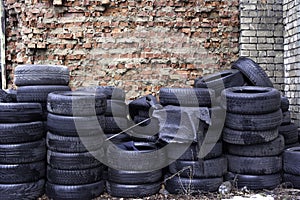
(278, 194)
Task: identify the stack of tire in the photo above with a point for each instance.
(251, 133)
(115, 120)
(35, 82)
(135, 169)
(22, 151)
(291, 171)
(75, 145)
(288, 129)
(187, 173)
(140, 111)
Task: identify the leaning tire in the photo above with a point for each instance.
(190, 97)
(30, 191)
(253, 73)
(76, 103)
(291, 160)
(20, 112)
(286, 118)
(74, 192)
(254, 165)
(292, 178)
(257, 122)
(285, 104)
(41, 75)
(132, 191)
(251, 100)
(221, 80)
(290, 133)
(38, 93)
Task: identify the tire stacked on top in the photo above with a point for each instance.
(187, 173)
(251, 131)
(35, 82)
(288, 129)
(291, 169)
(22, 151)
(74, 142)
(141, 110)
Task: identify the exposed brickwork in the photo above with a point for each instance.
(262, 36)
(291, 13)
(136, 45)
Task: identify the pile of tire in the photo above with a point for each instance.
(288, 129)
(187, 173)
(115, 116)
(75, 145)
(140, 111)
(35, 82)
(251, 133)
(134, 169)
(291, 171)
(22, 151)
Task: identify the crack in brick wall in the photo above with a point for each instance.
(139, 46)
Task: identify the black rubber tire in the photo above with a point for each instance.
(191, 154)
(26, 191)
(41, 75)
(110, 91)
(20, 112)
(291, 159)
(7, 97)
(76, 103)
(259, 122)
(132, 191)
(296, 144)
(119, 139)
(38, 93)
(149, 127)
(253, 73)
(285, 104)
(65, 125)
(293, 179)
(272, 148)
(141, 160)
(22, 173)
(11, 133)
(74, 192)
(254, 165)
(286, 118)
(180, 185)
(74, 177)
(73, 161)
(134, 177)
(23, 152)
(116, 108)
(137, 137)
(114, 124)
(256, 182)
(200, 169)
(232, 136)
(66, 144)
(221, 80)
(290, 133)
(189, 97)
(251, 100)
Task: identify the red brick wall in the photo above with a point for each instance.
(136, 45)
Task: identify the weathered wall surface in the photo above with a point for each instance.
(262, 36)
(291, 13)
(136, 45)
